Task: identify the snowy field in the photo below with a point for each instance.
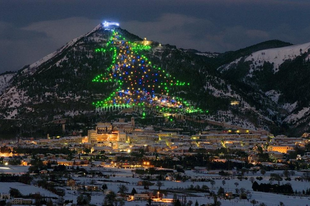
(269, 199)
(11, 169)
(126, 176)
(24, 189)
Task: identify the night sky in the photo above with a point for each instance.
(31, 29)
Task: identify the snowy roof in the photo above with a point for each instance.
(24, 189)
(13, 169)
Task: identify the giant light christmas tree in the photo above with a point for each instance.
(138, 82)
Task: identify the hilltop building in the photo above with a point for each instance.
(109, 134)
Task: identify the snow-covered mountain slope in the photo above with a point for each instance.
(35, 85)
(208, 54)
(4, 80)
(31, 69)
(277, 56)
(276, 80)
(235, 87)
(293, 118)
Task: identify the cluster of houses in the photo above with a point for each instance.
(121, 138)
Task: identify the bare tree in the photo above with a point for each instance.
(263, 172)
(159, 184)
(253, 202)
(212, 183)
(122, 189)
(110, 198)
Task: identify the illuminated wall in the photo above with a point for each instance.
(281, 149)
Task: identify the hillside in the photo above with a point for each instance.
(70, 84)
(276, 80)
(5, 80)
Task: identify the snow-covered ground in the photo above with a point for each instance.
(4, 80)
(228, 66)
(33, 67)
(292, 118)
(24, 189)
(10, 169)
(125, 177)
(273, 95)
(208, 54)
(269, 199)
(277, 56)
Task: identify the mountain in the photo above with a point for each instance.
(263, 86)
(276, 82)
(5, 80)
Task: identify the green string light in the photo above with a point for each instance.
(127, 63)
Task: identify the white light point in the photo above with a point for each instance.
(107, 24)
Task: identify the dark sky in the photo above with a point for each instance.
(31, 29)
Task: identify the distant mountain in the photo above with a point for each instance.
(261, 86)
(276, 81)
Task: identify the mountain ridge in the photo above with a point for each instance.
(60, 85)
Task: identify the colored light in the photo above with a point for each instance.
(138, 87)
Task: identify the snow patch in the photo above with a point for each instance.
(208, 54)
(308, 58)
(273, 95)
(12, 99)
(4, 80)
(33, 67)
(228, 66)
(25, 189)
(277, 56)
(293, 118)
(289, 107)
(12, 114)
